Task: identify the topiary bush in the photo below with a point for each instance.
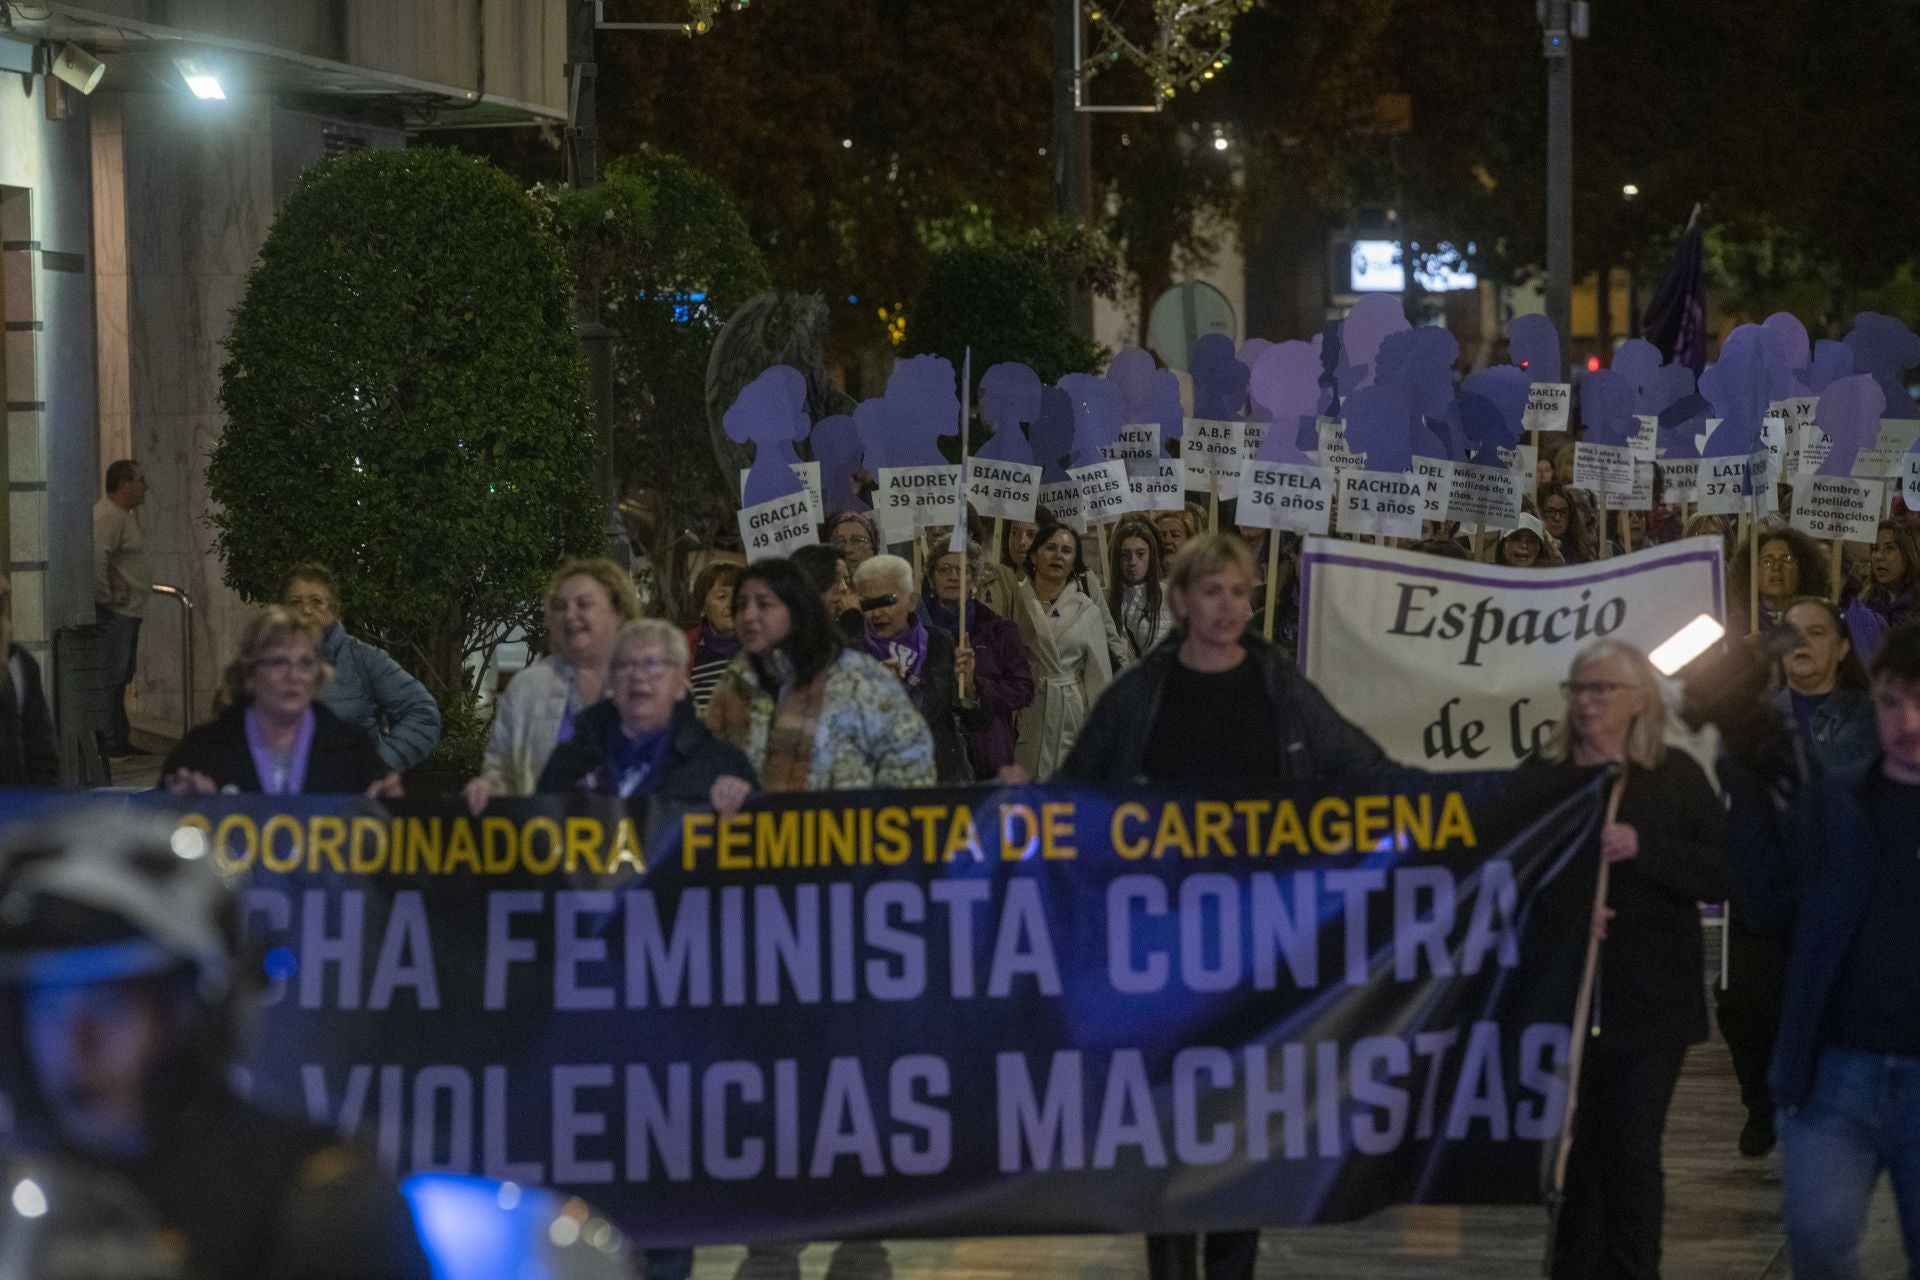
(1007, 299)
(406, 403)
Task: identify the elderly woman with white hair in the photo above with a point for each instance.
(645, 739)
(1665, 846)
(927, 660)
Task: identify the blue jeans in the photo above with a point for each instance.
(123, 650)
(1862, 1117)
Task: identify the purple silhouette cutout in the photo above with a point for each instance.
(922, 404)
(1606, 408)
(1790, 337)
(1440, 439)
(1849, 412)
(1885, 348)
(1098, 416)
(1832, 361)
(1148, 393)
(1638, 361)
(1380, 425)
(836, 445)
(1492, 405)
(1009, 396)
(1286, 384)
(1418, 363)
(1220, 381)
(1373, 320)
(1052, 435)
(1533, 344)
(770, 414)
(1740, 387)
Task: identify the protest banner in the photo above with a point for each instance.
(1381, 503)
(1838, 507)
(1640, 496)
(933, 1013)
(1525, 460)
(1105, 495)
(779, 527)
(1214, 450)
(1003, 490)
(1137, 449)
(1279, 495)
(809, 475)
(1452, 665)
(911, 498)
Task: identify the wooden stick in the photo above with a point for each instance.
(1753, 574)
(961, 684)
(1626, 534)
(1479, 538)
(1606, 544)
(1273, 580)
(1213, 502)
(1102, 529)
(1834, 576)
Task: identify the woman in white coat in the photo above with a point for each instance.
(1065, 630)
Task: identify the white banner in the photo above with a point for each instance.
(780, 527)
(1003, 490)
(1283, 495)
(1453, 665)
(1721, 482)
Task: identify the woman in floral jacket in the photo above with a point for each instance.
(809, 713)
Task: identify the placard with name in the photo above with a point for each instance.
(1062, 501)
(1105, 495)
(1644, 440)
(1003, 490)
(1723, 484)
(1164, 489)
(1603, 469)
(809, 473)
(1137, 449)
(1797, 413)
(1381, 502)
(911, 498)
(1333, 451)
(1214, 450)
(1838, 507)
(1897, 435)
(779, 527)
(1640, 496)
(1436, 479)
(1910, 480)
(1680, 479)
(1487, 496)
(1549, 407)
(1773, 438)
(1284, 495)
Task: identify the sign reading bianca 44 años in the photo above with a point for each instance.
(1452, 665)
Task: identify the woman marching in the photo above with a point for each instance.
(1215, 701)
(1066, 636)
(926, 660)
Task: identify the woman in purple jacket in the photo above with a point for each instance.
(1000, 672)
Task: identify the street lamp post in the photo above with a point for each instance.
(1562, 22)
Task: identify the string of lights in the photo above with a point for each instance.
(1188, 46)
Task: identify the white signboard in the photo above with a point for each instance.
(1487, 496)
(1897, 435)
(1680, 479)
(1722, 481)
(1603, 469)
(1333, 451)
(1213, 450)
(1549, 407)
(1797, 413)
(1451, 665)
(809, 473)
(911, 498)
(1436, 479)
(1003, 490)
(779, 527)
(1525, 459)
(1138, 447)
(1280, 495)
(1645, 437)
(1910, 480)
(1162, 489)
(1838, 507)
(1104, 493)
(1640, 496)
(1381, 503)
(1062, 501)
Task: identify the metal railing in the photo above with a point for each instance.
(186, 652)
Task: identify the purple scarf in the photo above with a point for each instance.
(910, 643)
(717, 645)
(278, 778)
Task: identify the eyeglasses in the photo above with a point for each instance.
(851, 542)
(1591, 688)
(652, 668)
(1556, 513)
(1775, 562)
(281, 662)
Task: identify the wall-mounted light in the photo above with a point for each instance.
(76, 67)
(202, 83)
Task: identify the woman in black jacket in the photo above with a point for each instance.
(645, 739)
(270, 736)
(1666, 853)
(925, 658)
(1215, 701)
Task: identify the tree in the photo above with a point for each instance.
(1006, 298)
(405, 402)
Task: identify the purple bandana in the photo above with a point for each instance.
(280, 775)
(910, 644)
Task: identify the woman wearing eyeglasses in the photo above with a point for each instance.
(1791, 565)
(270, 736)
(854, 535)
(646, 739)
(1666, 854)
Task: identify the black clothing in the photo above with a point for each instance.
(1305, 741)
(695, 759)
(1616, 1191)
(28, 757)
(1748, 1008)
(343, 760)
(1649, 994)
(1186, 742)
(1875, 1006)
(951, 720)
(1314, 740)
